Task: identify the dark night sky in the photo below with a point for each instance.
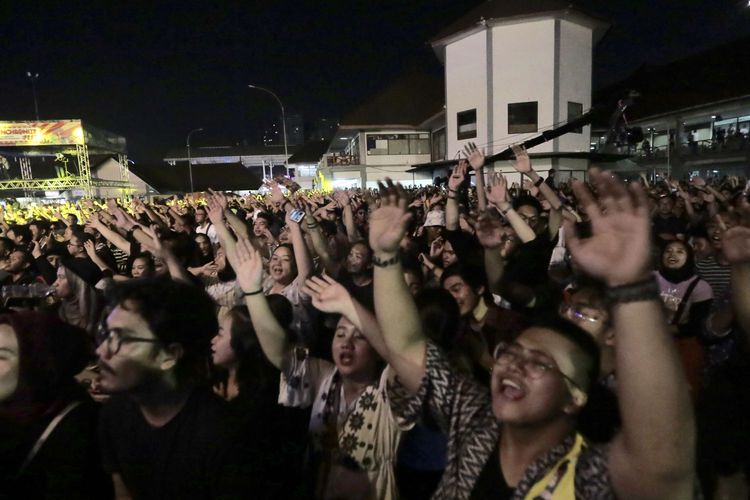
(152, 73)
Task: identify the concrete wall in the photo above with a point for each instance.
(523, 64)
(575, 68)
(466, 73)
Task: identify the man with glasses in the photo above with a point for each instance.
(164, 434)
(519, 440)
(75, 245)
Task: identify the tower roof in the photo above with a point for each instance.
(495, 11)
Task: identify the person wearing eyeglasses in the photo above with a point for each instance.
(585, 305)
(519, 439)
(163, 432)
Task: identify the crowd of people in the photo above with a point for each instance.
(556, 339)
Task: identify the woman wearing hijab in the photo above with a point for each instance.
(687, 299)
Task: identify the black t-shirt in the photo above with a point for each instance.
(67, 466)
(491, 483)
(365, 295)
(193, 456)
(600, 419)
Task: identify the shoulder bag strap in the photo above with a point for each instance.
(46, 434)
(683, 302)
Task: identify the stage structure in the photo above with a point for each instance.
(55, 155)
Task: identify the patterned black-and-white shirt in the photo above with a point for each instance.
(464, 409)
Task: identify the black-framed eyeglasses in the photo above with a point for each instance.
(507, 353)
(113, 341)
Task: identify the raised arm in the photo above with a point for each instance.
(654, 454)
(475, 156)
(495, 240)
(454, 187)
(148, 238)
(248, 265)
(319, 245)
(395, 309)
(344, 200)
(497, 196)
(330, 296)
(736, 249)
(301, 253)
(112, 236)
(216, 199)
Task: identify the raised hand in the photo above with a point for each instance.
(523, 162)
(436, 248)
(249, 266)
(388, 222)
(530, 187)
(219, 198)
(458, 176)
(619, 248)
(474, 155)
(328, 295)
(275, 196)
(90, 248)
(214, 210)
(490, 231)
(735, 244)
(497, 189)
(342, 198)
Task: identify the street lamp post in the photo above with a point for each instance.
(283, 125)
(34, 77)
(190, 160)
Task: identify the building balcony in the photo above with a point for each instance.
(335, 160)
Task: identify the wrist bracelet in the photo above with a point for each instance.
(248, 294)
(640, 291)
(505, 211)
(387, 262)
(539, 182)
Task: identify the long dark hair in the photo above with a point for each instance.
(50, 353)
(255, 371)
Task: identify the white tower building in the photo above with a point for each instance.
(514, 68)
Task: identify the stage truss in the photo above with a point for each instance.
(83, 181)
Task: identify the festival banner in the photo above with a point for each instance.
(41, 133)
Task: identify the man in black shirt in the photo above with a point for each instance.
(163, 435)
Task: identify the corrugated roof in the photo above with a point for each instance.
(219, 151)
(407, 102)
(310, 152)
(715, 75)
(219, 176)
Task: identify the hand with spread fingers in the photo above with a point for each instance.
(248, 266)
(474, 155)
(328, 295)
(618, 250)
(523, 162)
(497, 189)
(458, 176)
(388, 222)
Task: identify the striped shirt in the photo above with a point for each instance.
(715, 274)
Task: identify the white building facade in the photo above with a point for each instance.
(508, 79)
